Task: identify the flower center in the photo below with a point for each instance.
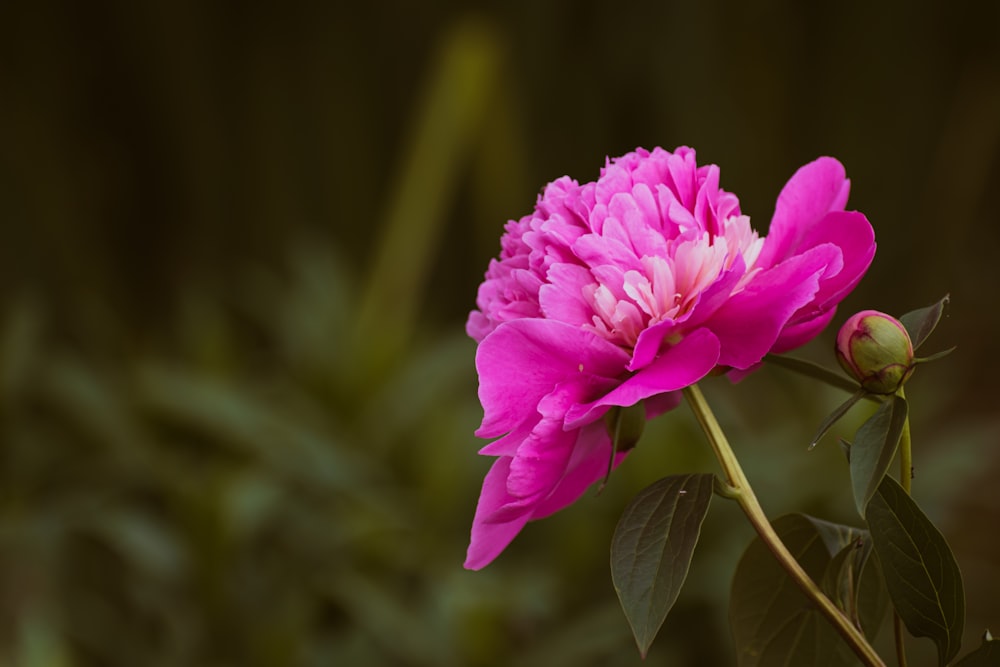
(668, 287)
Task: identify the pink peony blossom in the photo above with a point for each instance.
(631, 288)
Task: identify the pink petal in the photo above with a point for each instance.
(588, 464)
(651, 338)
(813, 191)
(562, 298)
(679, 366)
(478, 326)
(508, 444)
(541, 459)
(489, 538)
(795, 335)
(749, 323)
(642, 232)
(708, 194)
(853, 234)
(661, 403)
(523, 360)
(649, 343)
(597, 250)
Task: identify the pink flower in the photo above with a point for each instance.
(631, 288)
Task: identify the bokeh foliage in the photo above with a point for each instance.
(239, 245)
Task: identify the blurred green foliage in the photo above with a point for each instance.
(239, 244)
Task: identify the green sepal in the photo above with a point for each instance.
(625, 426)
(920, 323)
(935, 356)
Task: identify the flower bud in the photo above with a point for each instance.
(876, 350)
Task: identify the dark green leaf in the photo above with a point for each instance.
(853, 581)
(652, 547)
(773, 622)
(921, 322)
(987, 655)
(835, 416)
(920, 571)
(873, 598)
(815, 371)
(874, 447)
(840, 580)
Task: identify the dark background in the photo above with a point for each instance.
(239, 245)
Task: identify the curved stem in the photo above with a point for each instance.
(744, 495)
(905, 480)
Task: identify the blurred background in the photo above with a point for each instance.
(240, 241)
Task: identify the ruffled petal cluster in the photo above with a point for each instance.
(631, 288)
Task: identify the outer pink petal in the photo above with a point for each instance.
(749, 323)
(679, 366)
(813, 191)
(508, 444)
(589, 461)
(489, 538)
(541, 459)
(795, 335)
(853, 234)
(478, 326)
(661, 403)
(523, 360)
(588, 464)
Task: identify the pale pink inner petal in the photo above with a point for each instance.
(665, 286)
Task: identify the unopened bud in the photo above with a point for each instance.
(876, 350)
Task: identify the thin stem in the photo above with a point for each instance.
(905, 480)
(905, 454)
(897, 631)
(744, 495)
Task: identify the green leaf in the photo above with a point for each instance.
(815, 371)
(873, 598)
(840, 580)
(920, 571)
(987, 655)
(921, 322)
(773, 622)
(835, 416)
(853, 582)
(652, 547)
(874, 447)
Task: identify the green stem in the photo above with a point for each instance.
(905, 480)
(744, 495)
(897, 631)
(905, 454)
